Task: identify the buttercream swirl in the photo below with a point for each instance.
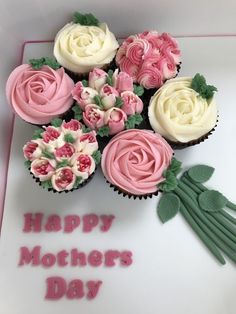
(134, 161)
(38, 96)
(81, 48)
(150, 58)
(179, 113)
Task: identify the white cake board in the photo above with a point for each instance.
(172, 271)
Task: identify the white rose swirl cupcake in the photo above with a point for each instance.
(83, 45)
(184, 110)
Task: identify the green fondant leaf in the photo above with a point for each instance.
(85, 19)
(56, 122)
(119, 102)
(38, 63)
(46, 153)
(97, 156)
(77, 182)
(85, 83)
(78, 112)
(168, 206)
(62, 163)
(69, 138)
(170, 182)
(200, 173)
(85, 129)
(138, 90)
(103, 131)
(109, 79)
(212, 200)
(133, 120)
(37, 134)
(98, 101)
(46, 184)
(199, 85)
(175, 166)
(27, 164)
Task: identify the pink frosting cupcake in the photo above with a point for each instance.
(108, 102)
(62, 157)
(150, 58)
(39, 95)
(134, 161)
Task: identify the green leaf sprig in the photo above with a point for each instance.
(109, 79)
(97, 157)
(138, 90)
(86, 19)
(103, 131)
(78, 112)
(39, 63)
(133, 120)
(200, 86)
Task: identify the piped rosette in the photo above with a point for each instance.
(184, 111)
(62, 156)
(39, 91)
(149, 58)
(108, 102)
(134, 161)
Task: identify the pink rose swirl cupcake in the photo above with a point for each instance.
(62, 157)
(38, 94)
(133, 162)
(108, 102)
(150, 58)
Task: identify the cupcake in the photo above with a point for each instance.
(184, 110)
(108, 102)
(134, 162)
(150, 58)
(84, 44)
(62, 156)
(39, 92)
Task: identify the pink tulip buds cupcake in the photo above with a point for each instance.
(84, 44)
(108, 102)
(134, 161)
(40, 91)
(62, 156)
(149, 58)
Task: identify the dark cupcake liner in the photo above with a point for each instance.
(180, 145)
(129, 195)
(65, 191)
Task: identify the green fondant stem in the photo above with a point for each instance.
(231, 205)
(231, 234)
(221, 219)
(220, 244)
(187, 189)
(202, 216)
(202, 235)
(187, 181)
(227, 216)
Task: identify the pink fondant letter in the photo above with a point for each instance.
(27, 257)
(71, 222)
(89, 222)
(56, 288)
(106, 222)
(75, 289)
(110, 256)
(126, 258)
(93, 287)
(78, 258)
(95, 258)
(33, 222)
(53, 223)
(61, 258)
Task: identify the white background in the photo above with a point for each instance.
(172, 271)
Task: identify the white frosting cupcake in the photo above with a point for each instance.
(180, 113)
(80, 48)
